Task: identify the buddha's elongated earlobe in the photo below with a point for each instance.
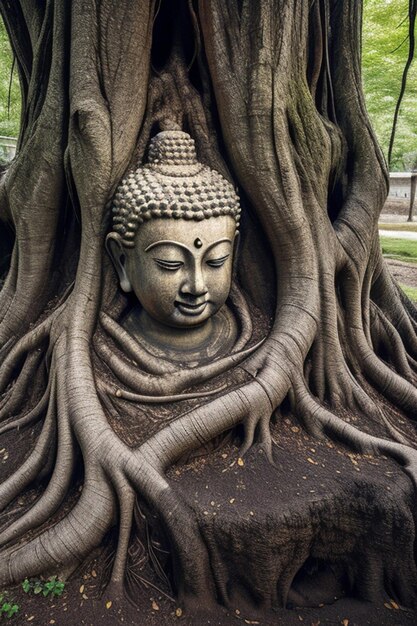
(235, 251)
(117, 254)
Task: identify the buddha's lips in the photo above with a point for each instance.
(191, 309)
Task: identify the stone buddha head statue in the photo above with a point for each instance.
(175, 226)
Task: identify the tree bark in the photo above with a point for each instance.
(271, 92)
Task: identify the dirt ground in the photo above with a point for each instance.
(404, 273)
(399, 206)
(219, 488)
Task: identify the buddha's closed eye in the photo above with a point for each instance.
(169, 265)
(218, 262)
(172, 266)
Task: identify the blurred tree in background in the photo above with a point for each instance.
(385, 50)
(9, 97)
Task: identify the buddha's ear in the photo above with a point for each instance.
(117, 253)
(236, 242)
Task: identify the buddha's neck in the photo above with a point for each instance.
(141, 325)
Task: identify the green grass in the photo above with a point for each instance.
(411, 292)
(401, 249)
(410, 227)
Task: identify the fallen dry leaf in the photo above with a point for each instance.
(155, 607)
(240, 462)
(108, 604)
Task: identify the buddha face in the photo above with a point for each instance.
(180, 270)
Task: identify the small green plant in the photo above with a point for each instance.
(8, 608)
(52, 586)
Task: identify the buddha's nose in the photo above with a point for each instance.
(194, 285)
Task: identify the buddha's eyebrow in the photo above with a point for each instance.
(224, 240)
(165, 242)
(181, 245)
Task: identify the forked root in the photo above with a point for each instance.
(25, 387)
(69, 541)
(59, 483)
(29, 342)
(30, 468)
(31, 417)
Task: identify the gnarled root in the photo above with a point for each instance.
(322, 421)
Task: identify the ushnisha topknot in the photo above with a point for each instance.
(172, 184)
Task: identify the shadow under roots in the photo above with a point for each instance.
(318, 582)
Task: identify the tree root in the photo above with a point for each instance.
(318, 419)
(172, 383)
(142, 399)
(30, 341)
(31, 417)
(133, 350)
(387, 295)
(59, 483)
(386, 337)
(30, 468)
(25, 387)
(69, 541)
(398, 390)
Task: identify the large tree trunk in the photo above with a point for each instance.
(271, 93)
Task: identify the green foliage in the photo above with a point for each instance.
(384, 54)
(8, 608)
(52, 586)
(410, 160)
(401, 249)
(9, 116)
